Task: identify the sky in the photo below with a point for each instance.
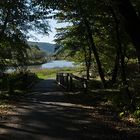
(47, 38)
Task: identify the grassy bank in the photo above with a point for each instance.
(51, 73)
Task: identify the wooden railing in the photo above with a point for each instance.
(71, 82)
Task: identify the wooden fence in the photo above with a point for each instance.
(71, 82)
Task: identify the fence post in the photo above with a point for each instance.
(67, 81)
(57, 77)
(70, 82)
(85, 86)
(62, 78)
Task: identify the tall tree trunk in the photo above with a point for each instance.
(87, 61)
(119, 48)
(87, 70)
(92, 44)
(122, 60)
(131, 21)
(116, 68)
(96, 55)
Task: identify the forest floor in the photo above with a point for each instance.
(50, 113)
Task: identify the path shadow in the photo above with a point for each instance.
(58, 122)
(47, 114)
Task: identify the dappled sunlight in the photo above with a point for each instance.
(50, 112)
(60, 120)
(83, 84)
(68, 105)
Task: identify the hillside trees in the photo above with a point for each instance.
(36, 56)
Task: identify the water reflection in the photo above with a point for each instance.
(58, 64)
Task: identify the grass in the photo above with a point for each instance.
(51, 73)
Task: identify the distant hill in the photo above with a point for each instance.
(46, 47)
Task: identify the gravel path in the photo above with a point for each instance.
(47, 114)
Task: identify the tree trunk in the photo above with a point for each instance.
(91, 42)
(119, 48)
(87, 54)
(132, 23)
(87, 71)
(122, 61)
(96, 55)
(116, 67)
(89, 63)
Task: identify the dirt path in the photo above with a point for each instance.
(47, 114)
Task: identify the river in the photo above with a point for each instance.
(58, 64)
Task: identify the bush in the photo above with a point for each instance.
(137, 113)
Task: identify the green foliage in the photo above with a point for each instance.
(100, 27)
(122, 114)
(137, 113)
(11, 83)
(17, 18)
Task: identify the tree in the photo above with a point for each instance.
(73, 38)
(80, 12)
(131, 22)
(17, 18)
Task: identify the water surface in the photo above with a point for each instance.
(58, 64)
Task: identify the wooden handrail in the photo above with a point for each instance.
(78, 78)
(66, 80)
